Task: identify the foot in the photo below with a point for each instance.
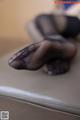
(36, 55)
(31, 57)
(57, 67)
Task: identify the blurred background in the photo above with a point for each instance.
(14, 16)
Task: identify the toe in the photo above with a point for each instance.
(18, 64)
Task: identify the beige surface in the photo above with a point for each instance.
(20, 110)
(60, 92)
(8, 44)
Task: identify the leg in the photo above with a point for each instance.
(35, 56)
(60, 66)
(47, 27)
